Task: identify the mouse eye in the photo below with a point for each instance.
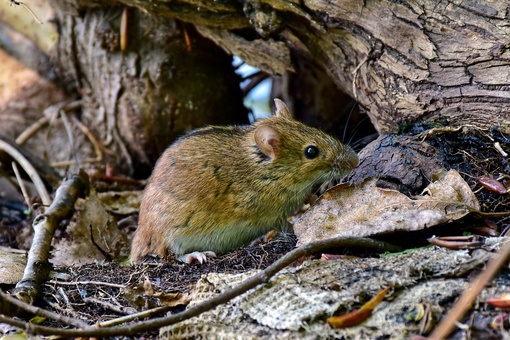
(311, 152)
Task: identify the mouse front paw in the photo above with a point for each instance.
(200, 256)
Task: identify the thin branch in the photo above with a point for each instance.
(22, 186)
(69, 132)
(50, 114)
(12, 250)
(31, 12)
(41, 312)
(97, 283)
(29, 169)
(95, 143)
(107, 305)
(138, 315)
(30, 131)
(44, 226)
(45, 120)
(469, 295)
(256, 79)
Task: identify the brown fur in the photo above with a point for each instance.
(218, 188)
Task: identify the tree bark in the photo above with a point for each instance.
(168, 80)
(402, 61)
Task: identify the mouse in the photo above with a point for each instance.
(219, 187)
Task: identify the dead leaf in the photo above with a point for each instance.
(122, 203)
(349, 319)
(80, 249)
(144, 296)
(502, 301)
(492, 184)
(358, 316)
(173, 299)
(366, 210)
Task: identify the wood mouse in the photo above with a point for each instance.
(219, 187)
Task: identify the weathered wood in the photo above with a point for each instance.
(402, 61)
(167, 81)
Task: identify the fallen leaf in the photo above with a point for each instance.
(358, 316)
(502, 301)
(173, 299)
(79, 249)
(143, 296)
(37, 319)
(492, 184)
(349, 319)
(122, 203)
(366, 210)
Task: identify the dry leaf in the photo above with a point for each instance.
(173, 299)
(502, 301)
(366, 210)
(122, 203)
(80, 249)
(349, 319)
(358, 316)
(492, 184)
(143, 296)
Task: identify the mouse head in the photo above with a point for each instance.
(299, 150)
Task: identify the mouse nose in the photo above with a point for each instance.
(351, 159)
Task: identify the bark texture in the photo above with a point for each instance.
(402, 61)
(168, 80)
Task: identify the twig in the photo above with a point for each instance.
(50, 114)
(32, 130)
(45, 120)
(111, 306)
(12, 250)
(63, 295)
(29, 169)
(256, 79)
(355, 76)
(7, 177)
(44, 226)
(86, 131)
(467, 298)
(124, 25)
(139, 315)
(42, 312)
(22, 186)
(154, 324)
(19, 3)
(31, 12)
(375, 53)
(68, 310)
(107, 256)
(97, 283)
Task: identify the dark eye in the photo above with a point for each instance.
(311, 152)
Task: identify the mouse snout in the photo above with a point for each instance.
(349, 159)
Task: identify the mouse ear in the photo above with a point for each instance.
(282, 110)
(267, 140)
